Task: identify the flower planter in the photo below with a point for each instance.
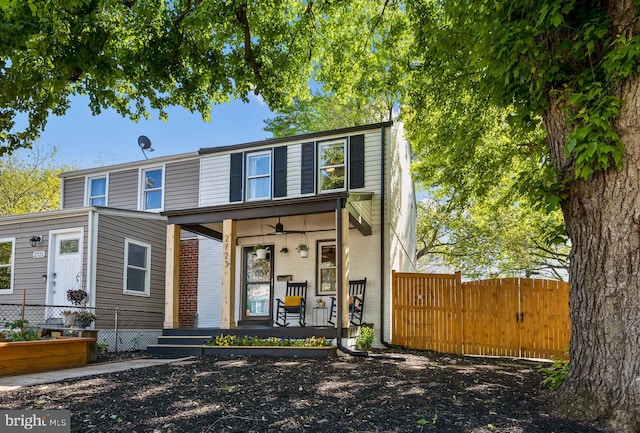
(22, 357)
(304, 253)
(68, 320)
(301, 352)
(261, 253)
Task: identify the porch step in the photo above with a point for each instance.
(174, 350)
(182, 350)
(183, 339)
(190, 341)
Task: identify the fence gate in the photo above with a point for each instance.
(517, 317)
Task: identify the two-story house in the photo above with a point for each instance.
(178, 233)
(346, 194)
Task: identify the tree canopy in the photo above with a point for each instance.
(135, 56)
(29, 181)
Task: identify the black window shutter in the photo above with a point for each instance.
(307, 175)
(235, 183)
(356, 161)
(280, 171)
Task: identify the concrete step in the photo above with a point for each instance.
(183, 339)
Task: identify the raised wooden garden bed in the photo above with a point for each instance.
(22, 357)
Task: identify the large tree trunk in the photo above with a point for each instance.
(602, 215)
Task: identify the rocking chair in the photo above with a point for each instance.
(356, 303)
(294, 304)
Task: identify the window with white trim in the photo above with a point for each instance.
(137, 268)
(7, 253)
(331, 165)
(152, 189)
(97, 191)
(327, 267)
(258, 175)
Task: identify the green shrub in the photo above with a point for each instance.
(365, 338)
(18, 333)
(234, 340)
(555, 375)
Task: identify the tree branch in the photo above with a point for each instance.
(241, 16)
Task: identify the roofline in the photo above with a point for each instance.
(129, 165)
(73, 212)
(308, 136)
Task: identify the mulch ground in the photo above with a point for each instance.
(426, 392)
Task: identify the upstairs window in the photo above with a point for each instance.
(258, 171)
(97, 191)
(152, 185)
(331, 166)
(6, 265)
(137, 258)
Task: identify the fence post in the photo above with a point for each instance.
(459, 300)
(115, 328)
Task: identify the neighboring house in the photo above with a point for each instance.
(116, 256)
(347, 194)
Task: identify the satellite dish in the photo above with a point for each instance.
(145, 144)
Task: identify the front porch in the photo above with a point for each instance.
(246, 294)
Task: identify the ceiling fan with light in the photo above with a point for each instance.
(279, 229)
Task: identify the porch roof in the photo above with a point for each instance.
(194, 219)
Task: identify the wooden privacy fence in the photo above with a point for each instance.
(518, 317)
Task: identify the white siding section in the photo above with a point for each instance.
(400, 224)
(294, 161)
(209, 283)
(214, 180)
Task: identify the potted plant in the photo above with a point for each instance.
(68, 318)
(84, 318)
(303, 250)
(260, 251)
(77, 296)
(320, 303)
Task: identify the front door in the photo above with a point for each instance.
(257, 287)
(66, 266)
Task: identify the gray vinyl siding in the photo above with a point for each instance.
(73, 193)
(110, 261)
(182, 180)
(123, 189)
(28, 271)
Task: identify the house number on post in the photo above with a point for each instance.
(38, 254)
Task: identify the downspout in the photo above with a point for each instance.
(344, 349)
(383, 265)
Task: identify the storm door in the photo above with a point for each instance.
(257, 287)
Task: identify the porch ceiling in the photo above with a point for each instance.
(319, 210)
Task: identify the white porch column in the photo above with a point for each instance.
(344, 266)
(227, 319)
(172, 278)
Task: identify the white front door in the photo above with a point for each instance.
(66, 266)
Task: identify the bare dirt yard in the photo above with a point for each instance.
(425, 392)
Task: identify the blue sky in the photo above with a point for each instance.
(88, 141)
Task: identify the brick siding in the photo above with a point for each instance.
(188, 282)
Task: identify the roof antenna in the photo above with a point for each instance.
(145, 144)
